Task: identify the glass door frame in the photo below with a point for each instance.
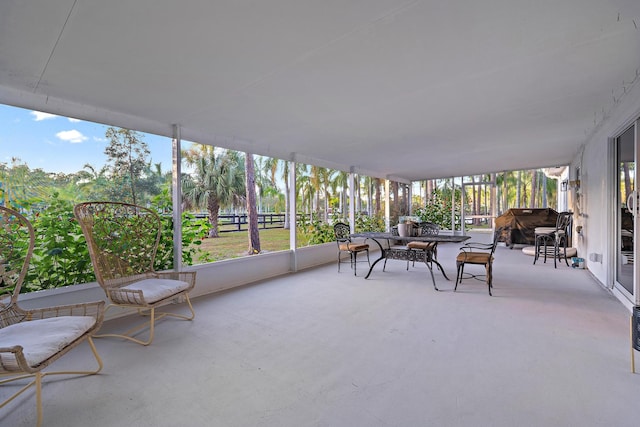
(617, 215)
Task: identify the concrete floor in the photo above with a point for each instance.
(322, 348)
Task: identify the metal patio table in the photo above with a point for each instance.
(405, 254)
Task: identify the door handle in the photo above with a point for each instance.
(632, 204)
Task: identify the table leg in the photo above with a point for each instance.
(382, 256)
(441, 270)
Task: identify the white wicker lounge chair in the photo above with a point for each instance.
(30, 340)
(123, 240)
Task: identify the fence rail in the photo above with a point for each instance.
(238, 222)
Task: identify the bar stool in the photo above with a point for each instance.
(557, 237)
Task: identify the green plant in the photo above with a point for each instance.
(322, 232)
(60, 256)
(438, 210)
(366, 223)
(193, 231)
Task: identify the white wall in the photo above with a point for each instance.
(211, 278)
(598, 192)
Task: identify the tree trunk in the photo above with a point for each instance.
(519, 190)
(378, 185)
(213, 206)
(534, 188)
(287, 219)
(252, 209)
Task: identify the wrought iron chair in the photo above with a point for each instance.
(421, 248)
(554, 238)
(342, 232)
(478, 254)
(30, 340)
(123, 240)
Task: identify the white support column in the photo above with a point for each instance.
(352, 200)
(409, 197)
(387, 206)
(453, 204)
(293, 207)
(176, 173)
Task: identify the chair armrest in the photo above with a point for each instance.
(13, 360)
(93, 309)
(476, 245)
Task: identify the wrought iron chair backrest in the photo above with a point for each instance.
(17, 240)
(496, 237)
(122, 239)
(429, 229)
(342, 232)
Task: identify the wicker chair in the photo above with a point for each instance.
(30, 340)
(123, 240)
(556, 238)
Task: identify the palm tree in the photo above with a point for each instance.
(252, 211)
(326, 176)
(270, 167)
(93, 183)
(217, 181)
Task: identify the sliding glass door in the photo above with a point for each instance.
(627, 207)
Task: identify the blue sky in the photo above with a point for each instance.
(60, 144)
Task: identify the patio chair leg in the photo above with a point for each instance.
(38, 381)
(355, 263)
(459, 272)
(129, 335)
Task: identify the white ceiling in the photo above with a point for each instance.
(391, 88)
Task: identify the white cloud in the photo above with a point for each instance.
(72, 136)
(72, 120)
(39, 115)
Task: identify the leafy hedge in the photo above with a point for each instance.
(438, 209)
(319, 231)
(61, 257)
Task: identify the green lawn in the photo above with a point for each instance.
(236, 244)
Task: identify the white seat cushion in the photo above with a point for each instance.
(155, 290)
(42, 338)
(544, 230)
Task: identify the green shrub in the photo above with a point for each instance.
(61, 257)
(438, 209)
(319, 231)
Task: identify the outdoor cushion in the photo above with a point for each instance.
(531, 250)
(420, 245)
(353, 246)
(155, 290)
(42, 338)
(474, 257)
(545, 230)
